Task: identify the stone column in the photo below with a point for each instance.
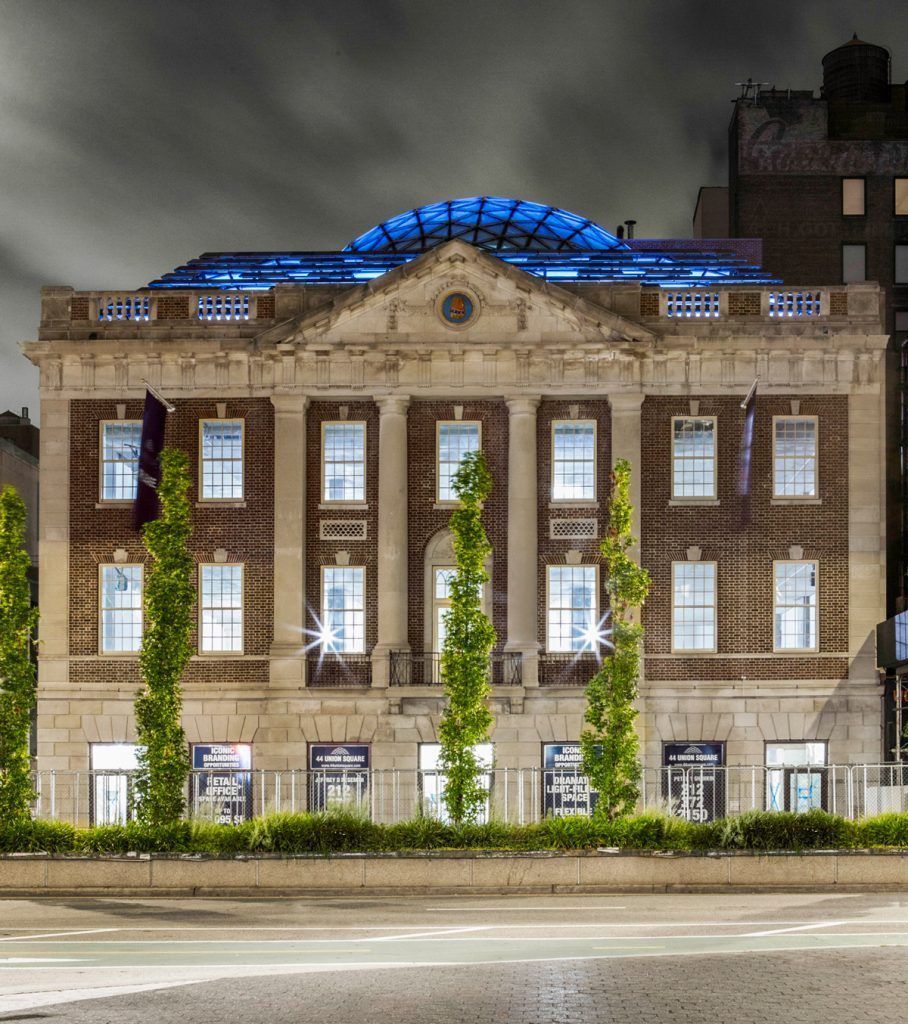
(523, 542)
(288, 663)
(392, 535)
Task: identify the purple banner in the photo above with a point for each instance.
(147, 506)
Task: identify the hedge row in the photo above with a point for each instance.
(339, 832)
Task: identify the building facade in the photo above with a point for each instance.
(324, 418)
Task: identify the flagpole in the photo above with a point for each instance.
(159, 397)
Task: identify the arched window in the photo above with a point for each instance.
(439, 568)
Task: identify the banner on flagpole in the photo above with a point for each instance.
(154, 417)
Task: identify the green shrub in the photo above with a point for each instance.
(785, 830)
(324, 832)
(491, 835)
(225, 840)
(573, 832)
(104, 839)
(23, 835)
(882, 830)
(419, 833)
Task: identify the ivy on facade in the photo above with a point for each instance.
(609, 741)
(163, 760)
(18, 620)
(469, 639)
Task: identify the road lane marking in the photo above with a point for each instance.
(797, 928)
(43, 959)
(430, 935)
(55, 935)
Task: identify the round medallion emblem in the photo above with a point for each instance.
(457, 309)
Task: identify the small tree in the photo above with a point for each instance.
(469, 639)
(169, 597)
(18, 620)
(609, 743)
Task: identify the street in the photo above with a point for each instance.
(573, 958)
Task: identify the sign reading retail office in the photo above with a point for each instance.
(339, 774)
(565, 787)
(693, 780)
(222, 782)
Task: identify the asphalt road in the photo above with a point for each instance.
(546, 959)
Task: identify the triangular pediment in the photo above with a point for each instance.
(457, 294)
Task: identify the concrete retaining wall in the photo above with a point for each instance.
(35, 874)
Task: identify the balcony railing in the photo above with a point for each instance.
(413, 668)
(340, 670)
(567, 669)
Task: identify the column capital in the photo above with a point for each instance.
(289, 404)
(390, 405)
(626, 401)
(523, 405)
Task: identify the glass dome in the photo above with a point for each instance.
(489, 222)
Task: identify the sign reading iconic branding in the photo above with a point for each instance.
(565, 787)
(222, 782)
(693, 780)
(457, 308)
(339, 774)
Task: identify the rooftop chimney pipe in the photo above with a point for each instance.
(629, 224)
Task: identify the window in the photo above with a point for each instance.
(432, 782)
(110, 799)
(854, 263)
(572, 608)
(795, 780)
(693, 457)
(853, 197)
(221, 609)
(441, 603)
(795, 605)
(343, 610)
(343, 461)
(901, 264)
(121, 609)
(900, 197)
(694, 606)
(455, 439)
(120, 443)
(794, 457)
(573, 460)
(222, 460)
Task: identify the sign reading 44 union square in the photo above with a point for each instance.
(339, 774)
(222, 782)
(693, 780)
(565, 788)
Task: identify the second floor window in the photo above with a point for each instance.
(572, 608)
(121, 609)
(900, 197)
(853, 197)
(120, 442)
(343, 461)
(221, 609)
(441, 601)
(693, 457)
(694, 606)
(573, 460)
(343, 609)
(794, 461)
(854, 262)
(455, 439)
(222, 460)
(795, 606)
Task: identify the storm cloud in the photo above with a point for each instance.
(134, 136)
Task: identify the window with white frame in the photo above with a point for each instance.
(222, 460)
(221, 609)
(343, 609)
(121, 608)
(455, 439)
(794, 457)
(441, 603)
(694, 606)
(574, 460)
(343, 461)
(572, 608)
(120, 443)
(795, 606)
(693, 457)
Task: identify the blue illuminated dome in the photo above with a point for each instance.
(488, 222)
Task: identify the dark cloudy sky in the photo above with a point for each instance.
(134, 136)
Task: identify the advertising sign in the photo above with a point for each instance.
(693, 781)
(339, 774)
(565, 788)
(222, 782)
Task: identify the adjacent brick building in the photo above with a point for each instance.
(324, 402)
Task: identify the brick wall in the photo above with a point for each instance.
(247, 534)
(743, 551)
(322, 552)
(425, 520)
(551, 552)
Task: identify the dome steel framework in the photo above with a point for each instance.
(488, 222)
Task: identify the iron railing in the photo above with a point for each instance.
(517, 795)
(338, 670)
(423, 668)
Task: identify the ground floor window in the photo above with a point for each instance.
(796, 776)
(111, 794)
(432, 781)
